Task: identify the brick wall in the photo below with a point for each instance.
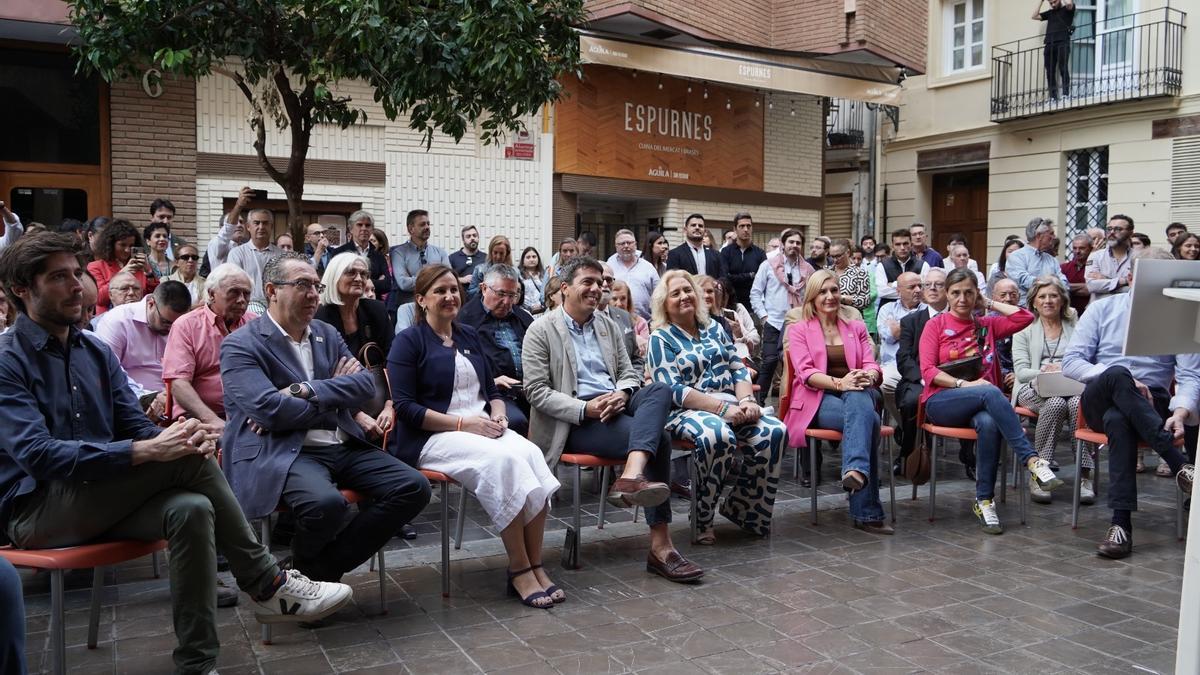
(741, 21)
(792, 147)
(154, 151)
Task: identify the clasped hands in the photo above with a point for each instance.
(856, 380)
(606, 406)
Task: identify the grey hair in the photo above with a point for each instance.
(1082, 236)
(572, 267)
(270, 214)
(625, 231)
(935, 270)
(501, 271)
(221, 274)
(1153, 253)
(359, 215)
(1036, 226)
(273, 272)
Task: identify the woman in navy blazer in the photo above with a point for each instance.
(453, 420)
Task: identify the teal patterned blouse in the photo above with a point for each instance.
(708, 363)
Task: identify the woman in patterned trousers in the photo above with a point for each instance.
(714, 408)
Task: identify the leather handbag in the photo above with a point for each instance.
(917, 464)
(969, 368)
(383, 389)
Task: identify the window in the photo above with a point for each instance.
(964, 35)
(56, 112)
(1087, 190)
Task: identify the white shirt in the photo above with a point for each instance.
(768, 297)
(11, 232)
(252, 261)
(700, 258)
(304, 353)
(641, 278)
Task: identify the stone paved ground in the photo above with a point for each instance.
(937, 597)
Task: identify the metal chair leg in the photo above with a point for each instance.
(265, 537)
(603, 494)
(796, 465)
(694, 474)
(1078, 483)
(891, 476)
(383, 608)
(462, 508)
(94, 616)
(1022, 491)
(58, 641)
(1003, 470)
(578, 517)
(1178, 513)
(933, 462)
(812, 478)
(154, 564)
(445, 540)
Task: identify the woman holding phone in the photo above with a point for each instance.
(119, 249)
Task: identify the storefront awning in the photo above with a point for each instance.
(769, 72)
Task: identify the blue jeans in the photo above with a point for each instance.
(12, 621)
(990, 413)
(855, 414)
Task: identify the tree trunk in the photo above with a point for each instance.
(294, 189)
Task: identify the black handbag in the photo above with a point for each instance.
(383, 390)
(971, 367)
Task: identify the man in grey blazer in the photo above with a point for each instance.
(294, 433)
(585, 397)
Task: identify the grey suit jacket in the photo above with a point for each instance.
(550, 367)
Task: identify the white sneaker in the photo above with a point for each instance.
(1038, 495)
(1043, 474)
(1087, 494)
(300, 599)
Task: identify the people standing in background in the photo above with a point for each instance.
(408, 258)
(464, 260)
(568, 248)
(499, 252)
(1138, 241)
(1173, 232)
(778, 287)
(1187, 247)
(187, 272)
(1060, 20)
(158, 239)
(114, 255)
(998, 269)
(921, 248)
(1099, 238)
(533, 280)
(1073, 271)
(693, 256)
(655, 251)
(629, 267)
(1111, 270)
(818, 253)
(902, 260)
(742, 258)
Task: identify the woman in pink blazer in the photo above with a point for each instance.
(835, 385)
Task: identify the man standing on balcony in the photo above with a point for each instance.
(1060, 19)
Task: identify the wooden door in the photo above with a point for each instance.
(49, 197)
(960, 205)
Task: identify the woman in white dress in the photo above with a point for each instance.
(454, 422)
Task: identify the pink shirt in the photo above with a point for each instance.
(126, 331)
(193, 353)
(949, 338)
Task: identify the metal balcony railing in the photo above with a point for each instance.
(1122, 58)
(845, 123)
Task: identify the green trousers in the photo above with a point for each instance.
(187, 502)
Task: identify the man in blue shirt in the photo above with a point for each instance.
(79, 461)
(1127, 397)
(1027, 263)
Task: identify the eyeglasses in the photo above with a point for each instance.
(188, 258)
(357, 273)
(507, 295)
(935, 286)
(608, 280)
(302, 285)
(124, 289)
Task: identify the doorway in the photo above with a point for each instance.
(960, 205)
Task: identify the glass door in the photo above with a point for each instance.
(1116, 46)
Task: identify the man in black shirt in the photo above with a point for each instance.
(1059, 20)
(742, 258)
(464, 260)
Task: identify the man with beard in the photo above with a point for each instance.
(635, 271)
(778, 287)
(1110, 270)
(192, 360)
(408, 258)
(692, 256)
(466, 259)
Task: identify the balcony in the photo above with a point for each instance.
(1124, 58)
(845, 124)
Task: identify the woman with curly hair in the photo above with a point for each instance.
(114, 254)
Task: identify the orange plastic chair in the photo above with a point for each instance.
(57, 560)
(940, 434)
(570, 555)
(832, 436)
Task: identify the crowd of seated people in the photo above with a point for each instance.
(353, 367)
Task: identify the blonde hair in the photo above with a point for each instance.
(812, 288)
(658, 301)
(617, 285)
(334, 271)
(1065, 312)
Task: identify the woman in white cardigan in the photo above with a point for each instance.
(1038, 349)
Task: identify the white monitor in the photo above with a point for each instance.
(1163, 320)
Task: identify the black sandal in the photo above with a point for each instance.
(552, 589)
(528, 600)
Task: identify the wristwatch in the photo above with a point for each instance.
(298, 390)
(958, 384)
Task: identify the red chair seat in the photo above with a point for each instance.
(86, 556)
(435, 477)
(589, 460)
(951, 432)
(1022, 411)
(836, 436)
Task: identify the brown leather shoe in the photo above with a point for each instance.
(874, 527)
(1117, 544)
(637, 492)
(675, 568)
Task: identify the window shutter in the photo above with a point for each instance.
(1185, 181)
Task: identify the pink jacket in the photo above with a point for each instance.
(807, 355)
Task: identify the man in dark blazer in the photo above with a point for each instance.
(908, 362)
(294, 434)
(686, 255)
(501, 323)
(360, 226)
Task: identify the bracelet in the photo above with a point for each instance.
(746, 398)
(837, 383)
(724, 409)
(459, 423)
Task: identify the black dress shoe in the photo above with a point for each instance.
(682, 489)
(408, 532)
